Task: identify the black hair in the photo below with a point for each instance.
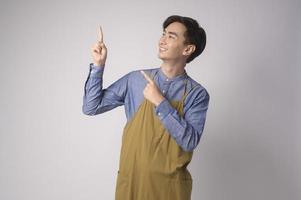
(194, 34)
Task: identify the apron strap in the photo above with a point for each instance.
(185, 90)
(153, 75)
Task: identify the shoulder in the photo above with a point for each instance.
(196, 87)
(196, 92)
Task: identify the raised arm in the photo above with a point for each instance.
(97, 100)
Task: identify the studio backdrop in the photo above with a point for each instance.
(251, 144)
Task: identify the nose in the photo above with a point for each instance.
(162, 40)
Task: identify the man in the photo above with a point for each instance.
(165, 110)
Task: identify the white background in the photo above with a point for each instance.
(50, 150)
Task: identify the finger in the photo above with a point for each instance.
(146, 77)
(102, 45)
(104, 48)
(100, 34)
(97, 45)
(94, 47)
(97, 48)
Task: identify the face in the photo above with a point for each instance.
(171, 43)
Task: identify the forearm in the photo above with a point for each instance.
(183, 132)
(93, 91)
(187, 130)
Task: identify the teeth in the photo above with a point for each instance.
(162, 49)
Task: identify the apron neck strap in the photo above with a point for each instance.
(154, 74)
(185, 89)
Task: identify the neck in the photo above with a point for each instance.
(172, 69)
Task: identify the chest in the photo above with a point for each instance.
(172, 91)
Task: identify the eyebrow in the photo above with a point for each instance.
(172, 33)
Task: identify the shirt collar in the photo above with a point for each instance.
(176, 78)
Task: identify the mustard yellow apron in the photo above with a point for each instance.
(152, 165)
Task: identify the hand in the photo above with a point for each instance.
(151, 92)
(99, 50)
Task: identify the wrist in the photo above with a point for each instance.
(160, 100)
(98, 65)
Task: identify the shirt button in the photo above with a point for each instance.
(163, 91)
(159, 114)
(167, 79)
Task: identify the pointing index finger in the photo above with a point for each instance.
(146, 77)
(100, 34)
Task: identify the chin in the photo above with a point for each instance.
(162, 57)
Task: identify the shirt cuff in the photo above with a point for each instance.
(163, 109)
(96, 71)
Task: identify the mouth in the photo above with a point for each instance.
(161, 49)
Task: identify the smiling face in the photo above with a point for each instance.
(171, 43)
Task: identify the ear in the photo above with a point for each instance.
(189, 50)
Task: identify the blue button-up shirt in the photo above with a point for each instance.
(128, 91)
